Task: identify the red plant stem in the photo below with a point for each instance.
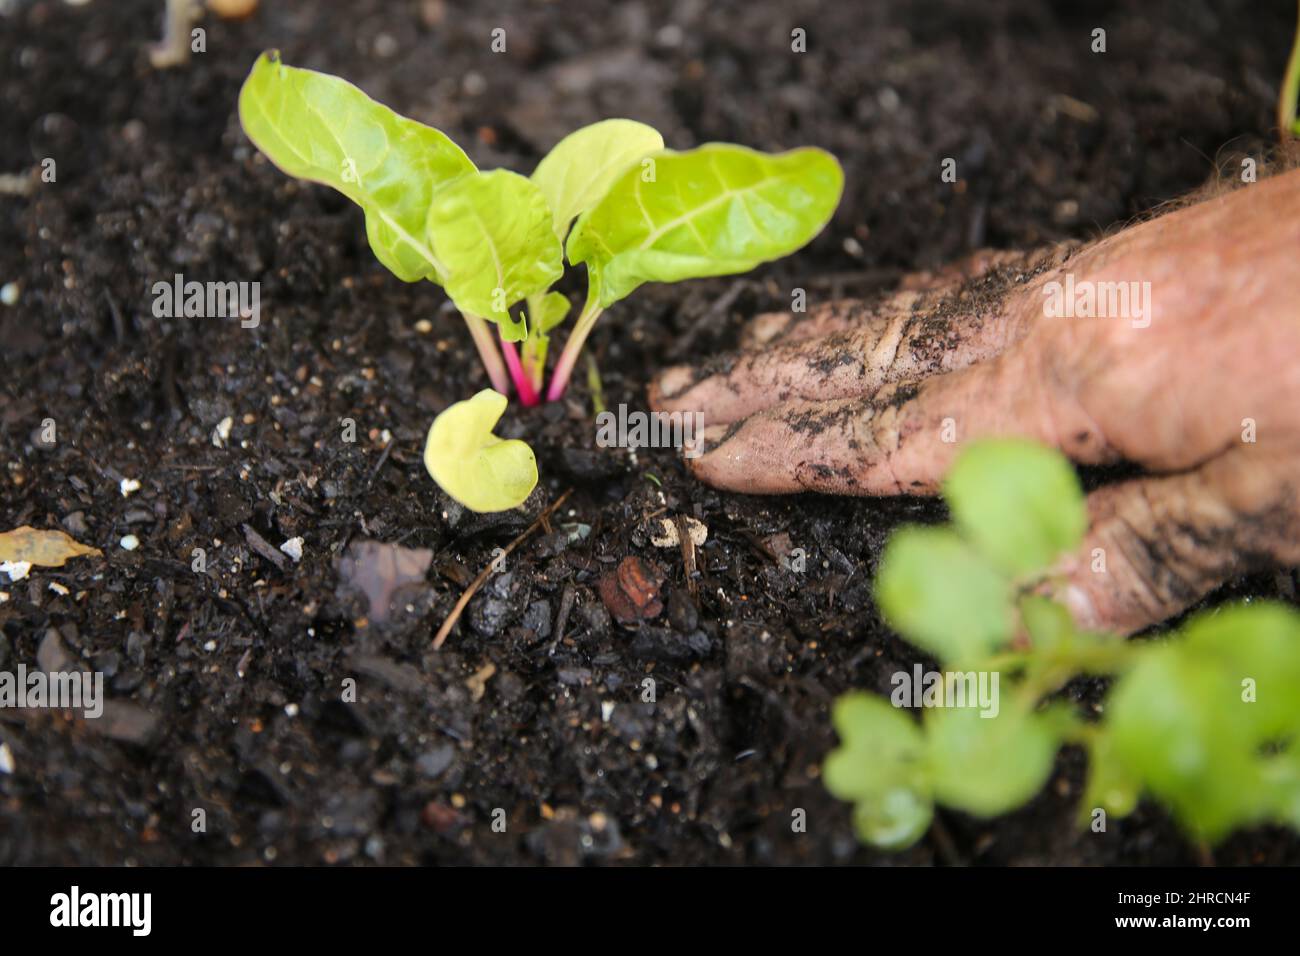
(569, 357)
(527, 394)
(487, 351)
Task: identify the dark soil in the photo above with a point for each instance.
(227, 685)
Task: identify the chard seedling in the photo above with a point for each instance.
(495, 239)
(430, 214)
(475, 467)
(1207, 722)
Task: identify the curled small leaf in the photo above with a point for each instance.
(474, 466)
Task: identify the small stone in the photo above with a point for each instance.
(17, 570)
(433, 763)
(666, 536)
(6, 759)
(293, 548)
(221, 433)
(128, 487)
(129, 542)
(9, 293)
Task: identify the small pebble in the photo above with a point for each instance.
(9, 293)
(128, 487)
(17, 570)
(58, 588)
(222, 431)
(130, 542)
(293, 548)
(6, 759)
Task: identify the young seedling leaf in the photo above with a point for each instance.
(580, 168)
(474, 466)
(1259, 643)
(1111, 785)
(988, 765)
(880, 766)
(1018, 501)
(547, 311)
(1049, 624)
(1180, 724)
(492, 232)
(715, 210)
(939, 593)
(319, 127)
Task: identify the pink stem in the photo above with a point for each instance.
(569, 357)
(527, 394)
(487, 351)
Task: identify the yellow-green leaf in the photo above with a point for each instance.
(580, 168)
(474, 466)
(492, 232)
(715, 210)
(319, 127)
(1019, 502)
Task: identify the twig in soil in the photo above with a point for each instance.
(119, 328)
(380, 464)
(477, 583)
(688, 554)
(944, 843)
(263, 547)
(759, 546)
(562, 619)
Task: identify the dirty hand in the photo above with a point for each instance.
(1196, 378)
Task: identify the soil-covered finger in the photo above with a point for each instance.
(886, 347)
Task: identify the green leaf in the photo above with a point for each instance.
(318, 127)
(548, 311)
(941, 595)
(887, 738)
(711, 211)
(893, 819)
(880, 767)
(1049, 624)
(474, 466)
(1179, 724)
(988, 765)
(1112, 786)
(580, 168)
(493, 233)
(1258, 647)
(1019, 502)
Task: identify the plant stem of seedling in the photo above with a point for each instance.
(527, 394)
(569, 357)
(1286, 101)
(487, 351)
